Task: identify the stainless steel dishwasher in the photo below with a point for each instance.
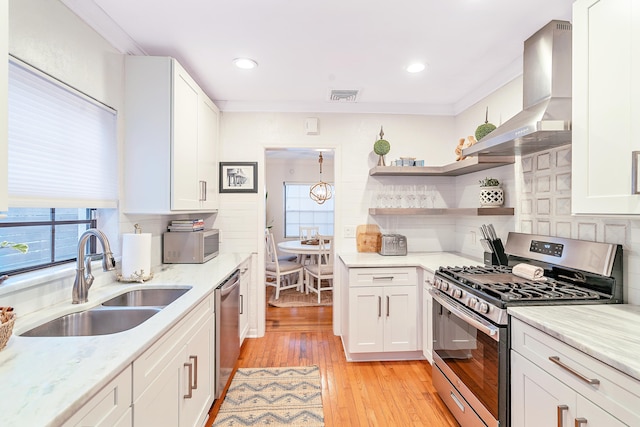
(227, 329)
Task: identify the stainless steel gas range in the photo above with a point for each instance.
(471, 326)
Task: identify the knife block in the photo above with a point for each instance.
(491, 258)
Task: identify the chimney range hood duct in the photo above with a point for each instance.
(545, 121)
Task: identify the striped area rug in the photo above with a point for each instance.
(284, 396)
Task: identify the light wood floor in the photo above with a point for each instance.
(353, 393)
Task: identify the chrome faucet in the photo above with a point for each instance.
(84, 280)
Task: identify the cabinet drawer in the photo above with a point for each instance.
(382, 276)
(151, 363)
(616, 392)
(108, 407)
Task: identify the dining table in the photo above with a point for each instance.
(299, 248)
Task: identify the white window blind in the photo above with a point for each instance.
(62, 144)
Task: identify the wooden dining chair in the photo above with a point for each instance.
(322, 270)
(284, 272)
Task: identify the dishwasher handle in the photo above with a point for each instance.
(230, 284)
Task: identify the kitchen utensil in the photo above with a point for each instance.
(494, 235)
(486, 246)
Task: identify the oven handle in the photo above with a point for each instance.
(467, 316)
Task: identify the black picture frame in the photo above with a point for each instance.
(238, 177)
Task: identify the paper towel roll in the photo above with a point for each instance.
(136, 255)
(528, 271)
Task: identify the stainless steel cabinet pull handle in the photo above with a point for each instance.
(189, 395)
(556, 360)
(241, 304)
(580, 421)
(387, 306)
(382, 277)
(456, 401)
(561, 409)
(379, 306)
(204, 194)
(634, 172)
(195, 367)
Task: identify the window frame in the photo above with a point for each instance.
(284, 198)
(91, 222)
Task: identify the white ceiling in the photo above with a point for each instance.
(305, 48)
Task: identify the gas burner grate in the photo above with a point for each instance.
(498, 282)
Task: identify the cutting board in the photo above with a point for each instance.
(368, 238)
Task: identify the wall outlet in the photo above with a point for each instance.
(349, 231)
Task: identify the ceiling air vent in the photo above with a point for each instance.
(348, 95)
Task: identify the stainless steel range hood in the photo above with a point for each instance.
(545, 121)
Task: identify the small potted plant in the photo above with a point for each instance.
(491, 194)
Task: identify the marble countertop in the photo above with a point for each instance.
(46, 380)
(609, 333)
(427, 260)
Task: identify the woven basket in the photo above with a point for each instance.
(6, 329)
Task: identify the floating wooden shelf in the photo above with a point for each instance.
(468, 165)
(443, 211)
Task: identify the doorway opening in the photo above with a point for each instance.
(289, 175)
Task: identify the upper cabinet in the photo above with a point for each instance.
(606, 106)
(4, 83)
(171, 137)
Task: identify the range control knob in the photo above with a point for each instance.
(457, 293)
(484, 308)
(472, 302)
(444, 286)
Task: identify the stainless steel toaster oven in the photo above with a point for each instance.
(393, 244)
(190, 247)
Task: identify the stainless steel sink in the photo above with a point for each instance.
(147, 297)
(96, 321)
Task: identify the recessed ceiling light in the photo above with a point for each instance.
(245, 63)
(415, 68)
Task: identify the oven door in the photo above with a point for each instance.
(470, 363)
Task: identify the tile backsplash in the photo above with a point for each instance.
(544, 207)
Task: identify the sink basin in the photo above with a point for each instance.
(147, 297)
(97, 321)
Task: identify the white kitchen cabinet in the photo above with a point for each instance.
(544, 393)
(4, 83)
(208, 122)
(245, 280)
(171, 137)
(173, 379)
(383, 310)
(427, 321)
(606, 105)
(198, 379)
(110, 407)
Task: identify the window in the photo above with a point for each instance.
(51, 234)
(300, 210)
(62, 165)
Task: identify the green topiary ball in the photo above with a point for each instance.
(381, 147)
(484, 130)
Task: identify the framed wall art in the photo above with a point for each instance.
(238, 177)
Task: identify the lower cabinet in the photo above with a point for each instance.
(427, 320)
(110, 407)
(245, 280)
(383, 310)
(173, 379)
(553, 384)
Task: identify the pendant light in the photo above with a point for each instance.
(320, 192)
